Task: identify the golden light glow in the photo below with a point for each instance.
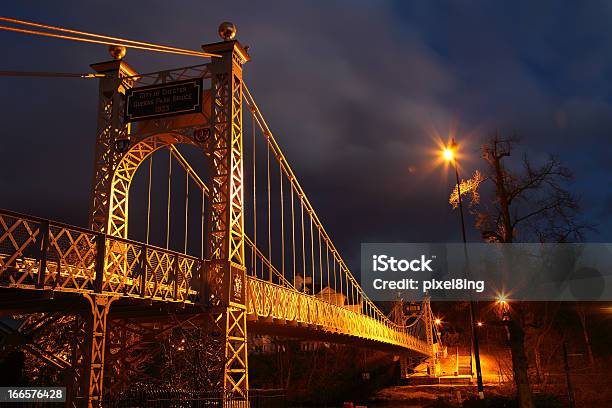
(448, 154)
(438, 321)
(445, 153)
(479, 324)
(502, 299)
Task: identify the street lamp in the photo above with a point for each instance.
(449, 154)
(504, 308)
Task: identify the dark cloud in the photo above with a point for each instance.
(352, 91)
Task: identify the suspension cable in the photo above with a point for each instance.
(254, 189)
(352, 286)
(190, 173)
(103, 39)
(303, 245)
(187, 167)
(340, 277)
(186, 208)
(320, 264)
(202, 227)
(267, 262)
(327, 263)
(334, 266)
(312, 258)
(293, 233)
(149, 198)
(50, 74)
(282, 208)
(269, 213)
(169, 192)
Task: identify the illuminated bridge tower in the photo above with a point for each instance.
(122, 146)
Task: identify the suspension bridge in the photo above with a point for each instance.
(252, 256)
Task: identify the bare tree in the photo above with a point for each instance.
(528, 204)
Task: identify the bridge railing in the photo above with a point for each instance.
(271, 301)
(40, 254)
(36, 253)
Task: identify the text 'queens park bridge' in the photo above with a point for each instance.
(252, 254)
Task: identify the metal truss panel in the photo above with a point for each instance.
(226, 227)
(111, 126)
(94, 361)
(101, 264)
(267, 300)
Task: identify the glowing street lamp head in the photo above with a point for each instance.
(448, 154)
(502, 299)
(450, 151)
(438, 321)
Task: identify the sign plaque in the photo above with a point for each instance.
(237, 289)
(158, 101)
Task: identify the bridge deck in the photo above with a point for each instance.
(47, 264)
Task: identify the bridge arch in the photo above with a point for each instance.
(126, 169)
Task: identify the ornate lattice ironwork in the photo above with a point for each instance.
(111, 127)
(72, 262)
(266, 300)
(103, 266)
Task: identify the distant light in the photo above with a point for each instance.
(479, 324)
(438, 321)
(501, 298)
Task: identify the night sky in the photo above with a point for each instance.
(354, 91)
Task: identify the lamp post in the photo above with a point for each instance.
(449, 156)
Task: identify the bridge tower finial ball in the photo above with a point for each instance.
(227, 31)
(117, 51)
